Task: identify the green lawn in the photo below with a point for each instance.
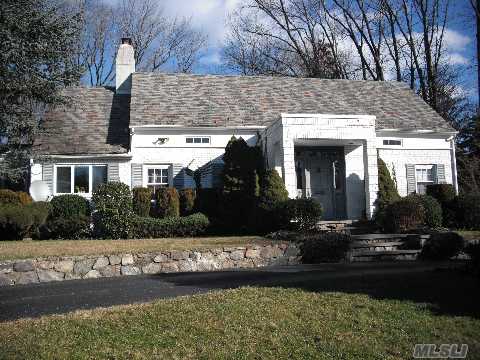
(32, 249)
(470, 234)
(247, 323)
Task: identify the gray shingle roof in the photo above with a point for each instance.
(216, 100)
(95, 122)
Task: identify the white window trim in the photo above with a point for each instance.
(72, 178)
(424, 167)
(157, 166)
(200, 137)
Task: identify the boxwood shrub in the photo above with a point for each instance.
(300, 214)
(325, 247)
(73, 228)
(68, 206)
(192, 225)
(142, 201)
(167, 203)
(442, 246)
(113, 215)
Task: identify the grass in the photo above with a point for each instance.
(246, 323)
(470, 235)
(33, 249)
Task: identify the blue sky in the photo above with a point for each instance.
(211, 16)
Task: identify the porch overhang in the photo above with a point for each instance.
(317, 130)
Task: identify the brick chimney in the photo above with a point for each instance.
(124, 67)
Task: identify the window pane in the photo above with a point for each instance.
(81, 175)
(99, 176)
(63, 179)
(205, 140)
(189, 140)
(197, 140)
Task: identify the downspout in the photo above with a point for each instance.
(454, 163)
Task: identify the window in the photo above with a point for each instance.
(157, 177)
(197, 140)
(392, 142)
(79, 179)
(424, 176)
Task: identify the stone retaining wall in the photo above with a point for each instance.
(95, 266)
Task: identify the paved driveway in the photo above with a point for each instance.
(391, 280)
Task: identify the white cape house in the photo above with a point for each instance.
(322, 136)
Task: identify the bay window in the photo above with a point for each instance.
(79, 179)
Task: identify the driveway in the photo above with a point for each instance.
(382, 280)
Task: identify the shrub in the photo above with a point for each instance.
(9, 197)
(69, 206)
(387, 192)
(300, 214)
(325, 247)
(405, 214)
(473, 250)
(442, 246)
(468, 211)
(187, 201)
(192, 225)
(168, 203)
(142, 201)
(113, 210)
(433, 211)
(66, 228)
(24, 198)
(209, 202)
(444, 193)
(272, 191)
(17, 221)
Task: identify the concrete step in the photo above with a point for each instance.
(392, 255)
(357, 246)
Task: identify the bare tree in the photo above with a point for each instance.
(283, 37)
(476, 8)
(158, 40)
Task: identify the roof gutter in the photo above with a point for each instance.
(88, 156)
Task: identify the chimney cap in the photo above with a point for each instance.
(127, 40)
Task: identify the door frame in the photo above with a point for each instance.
(339, 205)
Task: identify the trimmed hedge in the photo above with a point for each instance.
(113, 214)
(325, 247)
(9, 197)
(192, 225)
(405, 214)
(69, 206)
(433, 211)
(24, 198)
(18, 221)
(168, 203)
(142, 201)
(442, 246)
(187, 201)
(300, 214)
(67, 228)
(209, 202)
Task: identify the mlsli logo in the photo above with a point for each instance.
(443, 351)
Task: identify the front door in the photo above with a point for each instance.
(325, 180)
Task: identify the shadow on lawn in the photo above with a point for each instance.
(447, 291)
